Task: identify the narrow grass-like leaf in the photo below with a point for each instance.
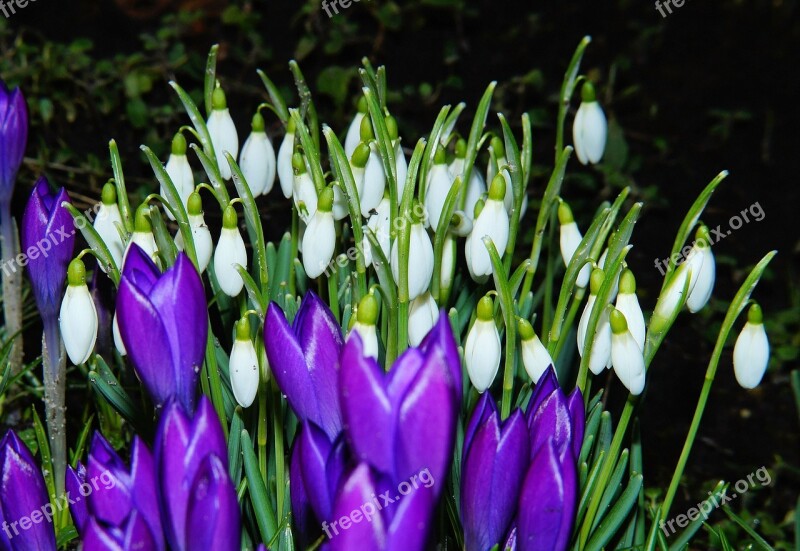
(211, 78)
(616, 516)
(275, 96)
(262, 505)
(95, 242)
(119, 182)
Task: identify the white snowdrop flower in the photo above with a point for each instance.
(423, 313)
(179, 171)
(118, 344)
(284, 161)
(257, 160)
(535, 356)
(703, 271)
(671, 299)
(358, 166)
(223, 132)
(570, 239)
(600, 356)
(374, 181)
(596, 281)
(590, 129)
(340, 207)
(448, 263)
(492, 222)
(420, 257)
(482, 348)
(143, 235)
(460, 224)
(203, 244)
(628, 304)
(402, 168)
(78, 317)
(751, 352)
(353, 137)
(305, 192)
(243, 365)
(476, 186)
(626, 355)
(229, 253)
(439, 183)
(602, 264)
(380, 224)
(319, 240)
(364, 326)
(499, 150)
(108, 222)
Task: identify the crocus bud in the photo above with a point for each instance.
(285, 152)
(244, 365)
(223, 132)
(422, 316)
(492, 222)
(108, 224)
(570, 240)
(482, 349)
(203, 244)
(703, 271)
(257, 160)
(751, 352)
(13, 138)
(628, 304)
(364, 327)
(374, 180)
(535, 356)
(420, 257)
(353, 137)
(78, 318)
(590, 128)
(439, 182)
(143, 233)
(304, 193)
(319, 240)
(179, 171)
(626, 355)
(229, 253)
(476, 185)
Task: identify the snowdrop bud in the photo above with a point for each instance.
(223, 132)
(179, 171)
(374, 180)
(78, 317)
(703, 270)
(366, 319)
(448, 264)
(319, 239)
(420, 256)
(628, 305)
(353, 137)
(257, 160)
(243, 365)
(106, 224)
(380, 224)
(590, 128)
(358, 165)
(482, 348)
(203, 244)
(118, 344)
(751, 352)
(285, 152)
(626, 356)
(229, 253)
(671, 299)
(422, 316)
(595, 282)
(439, 183)
(492, 222)
(305, 193)
(570, 240)
(143, 233)
(535, 356)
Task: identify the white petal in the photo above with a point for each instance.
(369, 338)
(374, 182)
(569, 240)
(584, 322)
(448, 262)
(482, 354)
(508, 200)
(203, 244)
(628, 361)
(243, 368)
(230, 251)
(590, 130)
(420, 263)
(78, 323)
(258, 163)
(319, 242)
(601, 347)
(285, 170)
(439, 183)
(535, 358)
(422, 316)
(671, 297)
(305, 192)
(577, 136)
(475, 189)
(702, 281)
(105, 224)
(181, 175)
(402, 169)
(628, 304)
(146, 241)
(120, 346)
(602, 264)
(353, 137)
(224, 139)
(751, 355)
(493, 222)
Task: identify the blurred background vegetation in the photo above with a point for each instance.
(712, 86)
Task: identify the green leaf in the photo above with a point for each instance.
(46, 461)
(262, 505)
(476, 132)
(275, 96)
(197, 121)
(119, 182)
(95, 242)
(252, 218)
(107, 385)
(686, 536)
(211, 78)
(619, 512)
(747, 528)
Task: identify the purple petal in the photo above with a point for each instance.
(366, 409)
(97, 538)
(213, 521)
(546, 385)
(485, 407)
(172, 443)
(78, 509)
(412, 521)
(112, 502)
(140, 269)
(404, 374)
(302, 513)
(145, 495)
(577, 415)
(314, 449)
(13, 138)
(547, 503)
(552, 420)
(138, 535)
(354, 501)
(442, 336)
(511, 540)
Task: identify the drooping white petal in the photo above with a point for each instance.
(118, 344)
(601, 347)
(422, 316)
(306, 193)
(492, 222)
(203, 243)
(751, 355)
(602, 264)
(402, 169)
(353, 137)
(448, 262)
(535, 358)
(628, 361)
(180, 172)
(670, 299)
(420, 263)
(258, 163)
(105, 224)
(379, 223)
(224, 139)
(589, 132)
(583, 323)
(230, 251)
(319, 242)
(569, 241)
(244, 373)
(284, 162)
(439, 182)
(78, 323)
(482, 354)
(368, 336)
(628, 304)
(703, 276)
(374, 182)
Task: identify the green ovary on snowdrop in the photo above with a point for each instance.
(78, 317)
(229, 253)
(482, 349)
(364, 326)
(751, 352)
(223, 132)
(143, 234)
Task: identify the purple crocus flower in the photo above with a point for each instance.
(22, 496)
(492, 474)
(48, 237)
(198, 500)
(551, 415)
(304, 358)
(13, 138)
(163, 322)
(484, 409)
